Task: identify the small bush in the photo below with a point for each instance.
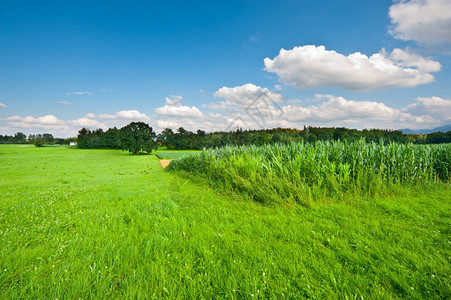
(39, 143)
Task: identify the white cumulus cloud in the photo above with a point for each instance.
(63, 128)
(86, 122)
(409, 59)
(244, 96)
(174, 108)
(424, 21)
(434, 107)
(47, 122)
(132, 115)
(120, 115)
(340, 109)
(311, 66)
(102, 116)
(336, 111)
(3, 105)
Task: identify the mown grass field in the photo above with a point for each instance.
(106, 224)
(174, 154)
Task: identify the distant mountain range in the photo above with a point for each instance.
(445, 128)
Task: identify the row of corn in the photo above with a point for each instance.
(300, 171)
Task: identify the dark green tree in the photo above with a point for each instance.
(39, 143)
(48, 138)
(82, 138)
(137, 137)
(166, 138)
(111, 139)
(20, 137)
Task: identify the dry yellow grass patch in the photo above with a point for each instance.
(164, 163)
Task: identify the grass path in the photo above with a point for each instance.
(105, 224)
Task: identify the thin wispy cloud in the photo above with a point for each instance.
(253, 38)
(79, 93)
(64, 102)
(3, 105)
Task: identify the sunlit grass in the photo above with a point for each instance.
(106, 224)
(302, 172)
(174, 154)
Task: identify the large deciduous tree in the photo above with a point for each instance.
(137, 137)
(20, 137)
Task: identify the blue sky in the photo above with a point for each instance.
(218, 65)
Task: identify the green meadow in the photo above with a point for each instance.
(96, 224)
(173, 154)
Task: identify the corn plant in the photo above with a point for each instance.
(299, 171)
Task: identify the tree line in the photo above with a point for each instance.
(183, 139)
(135, 137)
(138, 136)
(46, 138)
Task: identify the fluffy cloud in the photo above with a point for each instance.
(425, 21)
(174, 108)
(329, 110)
(168, 124)
(121, 115)
(340, 109)
(436, 108)
(259, 104)
(243, 96)
(102, 116)
(409, 59)
(86, 122)
(335, 111)
(324, 110)
(105, 121)
(46, 123)
(206, 123)
(132, 115)
(3, 105)
(45, 120)
(311, 66)
(65, 128)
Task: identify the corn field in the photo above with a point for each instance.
(300, 172)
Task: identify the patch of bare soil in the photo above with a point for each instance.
(164, 163)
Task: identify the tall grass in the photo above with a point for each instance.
(299, 171)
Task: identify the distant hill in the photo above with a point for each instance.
(445, 128)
